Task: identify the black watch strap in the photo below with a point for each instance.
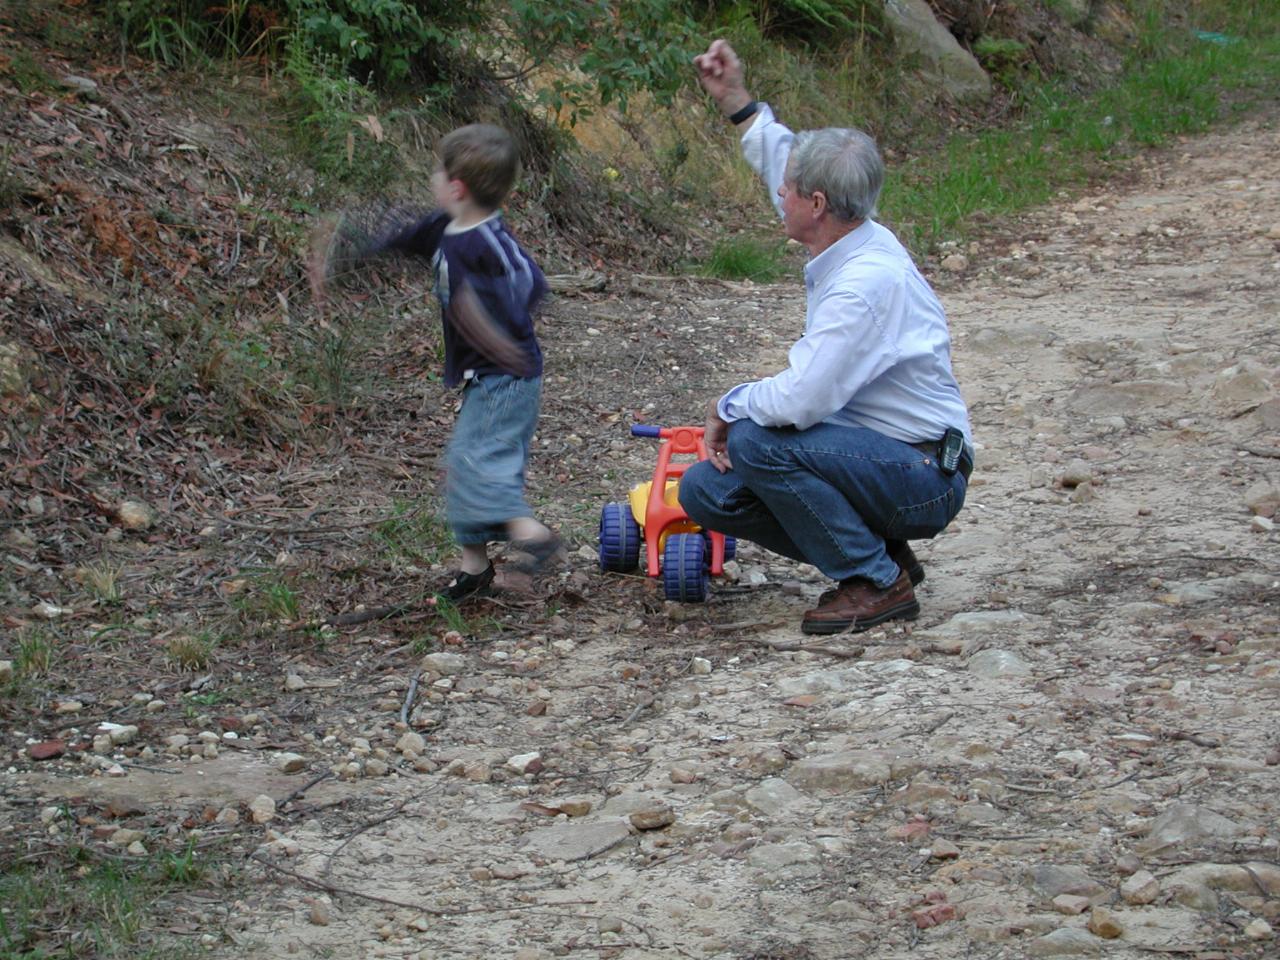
(745, 113)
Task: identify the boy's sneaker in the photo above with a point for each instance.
(535, 555)
(466, 585)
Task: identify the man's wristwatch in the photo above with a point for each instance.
(745, 113)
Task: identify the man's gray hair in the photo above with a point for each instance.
(844, 165)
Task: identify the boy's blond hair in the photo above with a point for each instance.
(484, 158)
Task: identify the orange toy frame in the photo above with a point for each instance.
(660, 513)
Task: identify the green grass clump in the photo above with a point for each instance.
(747, 258)
(35, 654)
(415, 533)
(73, 902)
(191, 651)
(27, 74)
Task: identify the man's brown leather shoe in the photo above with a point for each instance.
(859, 604)
(901, 554)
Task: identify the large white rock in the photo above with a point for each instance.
(918, 32)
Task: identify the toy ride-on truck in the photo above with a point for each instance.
(676, 548)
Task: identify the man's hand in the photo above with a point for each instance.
(720, 73)
(715, 435)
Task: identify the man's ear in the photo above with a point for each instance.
(818, 200)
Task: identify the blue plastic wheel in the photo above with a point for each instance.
(730, 546)
(684, 568)
(619, 538)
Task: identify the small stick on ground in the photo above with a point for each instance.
(409, 697)
(363, 616)
(937, 722)
(433, 911)
(322, 775)
(646, 702)
(851, 653)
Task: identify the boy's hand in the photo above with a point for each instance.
(318, 256)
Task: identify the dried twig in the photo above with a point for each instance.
(1039, 790)
(934, 724)
(409, 698)
(646, 702)
(323, 775)
(327, 887)
(851, 653)
(1272, 452)
(364, 616)
(1199, 739)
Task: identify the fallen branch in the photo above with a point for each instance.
(143, 766)
(343, 891)
(746, 625)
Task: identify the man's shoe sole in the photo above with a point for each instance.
(904, 611)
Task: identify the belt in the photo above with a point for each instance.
(964, 467)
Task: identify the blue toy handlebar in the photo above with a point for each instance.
(645, 430)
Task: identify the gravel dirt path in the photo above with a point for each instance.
(1073, 751)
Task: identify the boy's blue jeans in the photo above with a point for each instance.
(484, 483)
(829, 496)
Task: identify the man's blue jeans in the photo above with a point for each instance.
(830, 496)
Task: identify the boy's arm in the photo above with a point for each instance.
(408, 230)
(469, 317)
(341, 242)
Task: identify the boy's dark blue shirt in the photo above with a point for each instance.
(487, 258)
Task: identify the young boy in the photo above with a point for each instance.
(488, 288)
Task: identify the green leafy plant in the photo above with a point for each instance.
(813, 19)
(279, 601)
(619, 48)
(181, 866)
(1003, 58)
(170, 31)
(452, 616)
(375, 37)
(422, 644)
(333, 110)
